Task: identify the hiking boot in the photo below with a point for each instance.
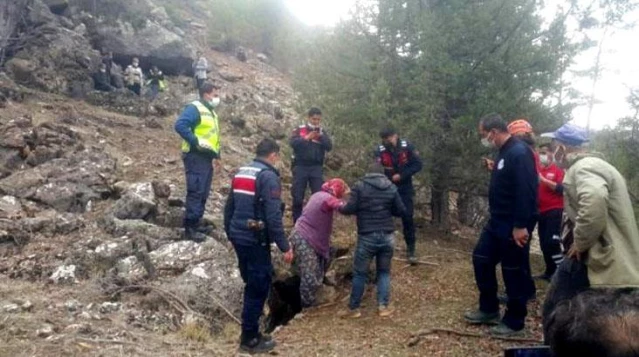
(410, 257)
(205, 229)
(258, 344)
(192, 234)
(385, 311)
(502, 330)
(479, 317)
(350, 314)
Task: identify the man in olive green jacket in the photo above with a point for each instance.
(600, 232)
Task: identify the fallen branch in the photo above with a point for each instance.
(164, 294)
(455, 251)
(116, 342)
(416, 262)
(416, 338)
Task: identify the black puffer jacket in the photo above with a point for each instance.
(375, 200)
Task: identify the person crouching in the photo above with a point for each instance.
(311, 237)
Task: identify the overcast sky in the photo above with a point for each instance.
(620, 61)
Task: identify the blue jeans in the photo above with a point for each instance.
(380, 246)
(256, 271)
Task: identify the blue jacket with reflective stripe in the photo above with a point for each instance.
(240, 205)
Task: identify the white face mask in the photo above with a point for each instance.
(487, 143)
(215, 102)
(544, 160)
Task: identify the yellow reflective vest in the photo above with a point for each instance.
(208, 131)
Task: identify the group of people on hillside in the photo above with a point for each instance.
(528, 188)
(107, 79)
(133, 78)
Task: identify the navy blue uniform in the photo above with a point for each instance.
(513, 204)
(308, 162)
(198, 166)
(405, 161)
(256, 196)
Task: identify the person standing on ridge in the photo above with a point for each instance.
(201, 68)
(134, 76)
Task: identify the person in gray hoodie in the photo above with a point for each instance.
(374, 200)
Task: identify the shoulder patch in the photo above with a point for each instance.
(382, 148)
(404, 143)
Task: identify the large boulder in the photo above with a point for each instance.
(209, 276)
(145, 32)
(138, 202)
(66, 184)
(54, 58)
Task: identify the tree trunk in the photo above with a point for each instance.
(439, 207)
(440, 173)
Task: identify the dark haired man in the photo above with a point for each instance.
(310, 143)
(401, 162)
(199, 128)
(252, 220)
(513, 211)
(596, 323)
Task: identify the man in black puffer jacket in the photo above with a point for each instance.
(375, 200)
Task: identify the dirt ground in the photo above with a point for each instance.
(425, 297)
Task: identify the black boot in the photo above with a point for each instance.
(191, 233)
(205, 228)
(259, 344)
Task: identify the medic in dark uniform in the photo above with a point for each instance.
(401, 161)
(310, 144)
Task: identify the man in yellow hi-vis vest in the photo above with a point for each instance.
(199, 128)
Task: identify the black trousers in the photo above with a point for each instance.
(408, 224)
(304, 176)
(256, 269)
(550, 239)
(495, 245)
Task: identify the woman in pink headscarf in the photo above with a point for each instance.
(312, 235)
